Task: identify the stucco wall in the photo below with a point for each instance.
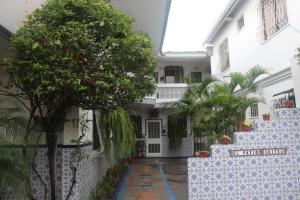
(188, 67)
(187, 147)
(245, 48)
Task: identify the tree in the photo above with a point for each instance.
(78, 53)
(216, 107)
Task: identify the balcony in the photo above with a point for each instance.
(170, 92)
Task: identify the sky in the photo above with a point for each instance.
(190, 22)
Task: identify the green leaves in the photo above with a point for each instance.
(35, 45)
(85, 51)
(118, 134)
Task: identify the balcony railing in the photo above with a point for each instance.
(279, 99)
(170, 92)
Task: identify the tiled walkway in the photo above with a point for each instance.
(156, 179)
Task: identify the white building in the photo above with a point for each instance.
(259, 32)
(151, 115)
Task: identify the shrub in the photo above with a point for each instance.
(107, 187)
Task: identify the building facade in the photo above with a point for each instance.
(259, 32)
(154, 113)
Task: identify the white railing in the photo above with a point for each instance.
(170, 91)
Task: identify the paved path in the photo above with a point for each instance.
(156, 179)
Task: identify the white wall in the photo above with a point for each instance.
(13, 12)
(73, 125)
(245, 47)
(296, 79)
(188, 67)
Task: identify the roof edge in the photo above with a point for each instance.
(4, 32)
(165, 24)
(232, 5)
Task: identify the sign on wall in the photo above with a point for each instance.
(257, 152)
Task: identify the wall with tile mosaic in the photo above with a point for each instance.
(90, 171)
(254, 174)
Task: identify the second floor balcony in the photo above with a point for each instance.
(167, 93)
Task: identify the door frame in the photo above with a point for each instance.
(153, 140)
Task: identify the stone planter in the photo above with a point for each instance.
(266, 117)
(288, 104)
(203, 154)
(246, 128)
(225, 140)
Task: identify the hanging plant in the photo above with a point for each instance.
(118, 134)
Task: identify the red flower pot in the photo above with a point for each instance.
(246, 128)
(266, 117)
(288, 104)
(224, 141)
(203, 154)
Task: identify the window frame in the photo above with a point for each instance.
(224, 59)
(279, 17)
(254, 110)
(176, 71)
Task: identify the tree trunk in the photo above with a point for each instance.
(51, 144)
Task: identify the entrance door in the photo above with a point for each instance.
(153, 138)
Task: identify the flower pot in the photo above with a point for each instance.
(266, 117)
(224, 141)
(203, 154)
(246, 128)
(288, 104)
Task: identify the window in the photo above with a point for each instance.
(156, 77)
(273, 16)
(196, 77)
(254, 110)
(177, 126)
(240, 23)
(173, 74)
(224, 55)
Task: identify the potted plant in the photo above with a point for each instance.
(204, 151)
(288, 104)
(247, 125)
(266, 116)
(225, 139)
(203, 154)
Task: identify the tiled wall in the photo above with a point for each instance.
(90, 171)
(221, 177)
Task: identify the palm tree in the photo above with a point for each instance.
(216, 106)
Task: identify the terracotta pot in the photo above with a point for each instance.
(288, 104)
(246, 128)
(266, 117)
(224, 141)
(203, 154)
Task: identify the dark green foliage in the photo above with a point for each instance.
(83, 52)
(14, 167)
(106, 189)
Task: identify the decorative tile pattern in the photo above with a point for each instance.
(251, 177)
(90, 171)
